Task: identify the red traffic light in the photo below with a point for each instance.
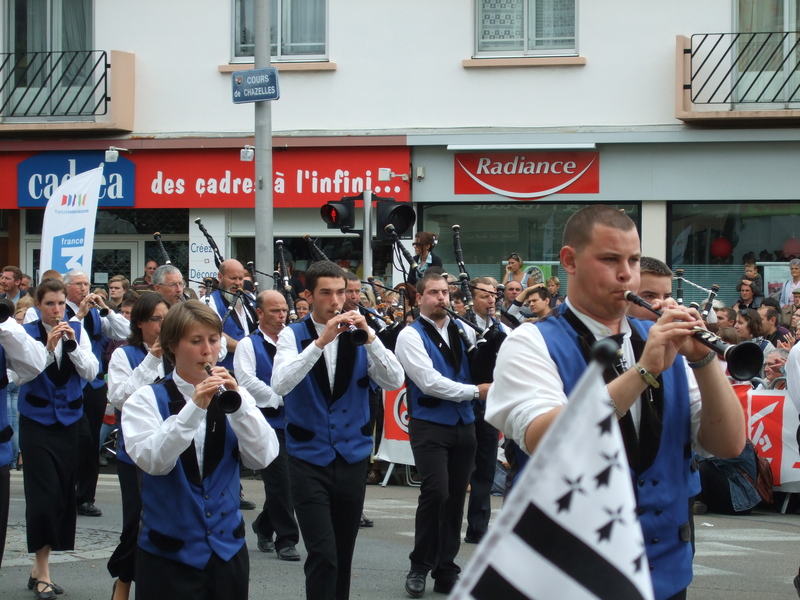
(339, 215)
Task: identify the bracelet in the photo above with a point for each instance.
(702, 363)
(646, 376)
(613, 405)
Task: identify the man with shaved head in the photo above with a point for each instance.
(253, 368)
(242, 319)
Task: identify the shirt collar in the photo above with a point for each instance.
(596, 328)
(184, 387)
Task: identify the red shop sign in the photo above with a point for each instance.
(525, 175)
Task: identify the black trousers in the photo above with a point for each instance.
(277, 515)
(122, 563)
(444, 456)
(159, 578)
(328, 502)
(5, 500)
(94, 407)
(479, 508)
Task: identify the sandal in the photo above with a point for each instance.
(44, 593)
(56, 588)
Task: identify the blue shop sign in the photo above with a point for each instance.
(40, 175)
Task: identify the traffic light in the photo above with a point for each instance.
(340, 214)
(392, 212)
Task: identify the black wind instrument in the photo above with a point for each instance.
(315, 250)
(679, 291)
(251, 266)
(69, 345)
(236, 297)
(710, 302)
(463, 276)
(358, 336)
(228, 401)
(164, 255)
(390, 230)
(288, 291)
(217, 256)
(744, 359)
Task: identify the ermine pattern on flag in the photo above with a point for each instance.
(569, 527)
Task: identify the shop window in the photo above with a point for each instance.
(525, 27)
(298, 30)
(711, 241)
(121, 221)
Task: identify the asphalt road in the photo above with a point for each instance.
(738, 558)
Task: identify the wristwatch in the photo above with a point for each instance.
(476, 395)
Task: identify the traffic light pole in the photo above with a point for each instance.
(366, 261)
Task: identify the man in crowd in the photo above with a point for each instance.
(145, 283)
(253, 368)
(442, 433)
(773, 332)
(83, 307)
(11, 283)
(324, 379)
(655, 284)
(538, 367)
(726, 317)
(241, 320)
(788, 312)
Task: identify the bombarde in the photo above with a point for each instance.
(744, 359)
(358, 336)
(228, 401)
(69, 345)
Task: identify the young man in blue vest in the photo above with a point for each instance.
(83, 307)
(324, 378)
(442, 432)
(661, 416)
(253, 367)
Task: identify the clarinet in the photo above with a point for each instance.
(287, 286)
(315, 250)
(164, 255)
(679, 291)
(710, 302)
(217, 256)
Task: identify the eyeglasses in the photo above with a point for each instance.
(155, 319)
(175, 284)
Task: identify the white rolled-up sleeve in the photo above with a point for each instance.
(86, 363)
(383, 366)
(123, 381)
(116, 326)
(244, 366)
(25, 355)
(291, 366)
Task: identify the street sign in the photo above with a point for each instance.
(255, 85)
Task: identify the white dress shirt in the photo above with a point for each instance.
(527, 383)
(244, 366)
(792, 369)
(419, 365)
(123, 381)
(25, 356)
(156, 444)
(85, 362)
(114, 326)
(291, 367)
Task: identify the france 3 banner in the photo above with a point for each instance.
(68, 228)
(395, 446)
(771, 420)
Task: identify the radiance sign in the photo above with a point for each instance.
(527, 175)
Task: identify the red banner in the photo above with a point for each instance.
(527, 175)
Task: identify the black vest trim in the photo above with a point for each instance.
(452, 357)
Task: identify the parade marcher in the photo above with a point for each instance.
(51, 407)
(192, 539)
(253, 368)
(132, 367)
(539, 364)
(442, 433)
(241, 320)
(324, 378)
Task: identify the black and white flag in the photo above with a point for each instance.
(569, 529)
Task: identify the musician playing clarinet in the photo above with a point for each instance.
(241, 320)
(660, 414)
(442, 432)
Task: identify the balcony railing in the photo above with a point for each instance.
(40, 85)
(738, 75)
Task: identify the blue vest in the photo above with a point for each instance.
(230, 327)
(6, 433)
(54, 396)
(99, 342)
(321, 423)
(135, 356)
(275, 416)
(664, 488)
(436, 410)
(186, 519)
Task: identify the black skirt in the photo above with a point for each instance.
(50, 453)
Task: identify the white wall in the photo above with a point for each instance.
(399, 67)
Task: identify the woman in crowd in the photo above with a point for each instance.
(191, 543)
(751, 328)
(424, 243)
(50, 406)
(132, 367)
(117, 286)
(514, 270)
(301, 307)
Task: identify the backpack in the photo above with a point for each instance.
(764, 479)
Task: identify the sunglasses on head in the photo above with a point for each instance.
(514, 256)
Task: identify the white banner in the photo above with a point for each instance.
(68, 229)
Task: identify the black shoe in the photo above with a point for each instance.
(265, 544)
(473, 539)
(246, 504)
(87, 509)
(444, 586)
(44, 591)
(415, 584)
(365, 522)
(289, 553)
(797, 584)
(56, 588)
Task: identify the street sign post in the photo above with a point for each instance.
(255, 85)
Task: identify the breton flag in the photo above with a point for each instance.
(569, 527)
(68, 228)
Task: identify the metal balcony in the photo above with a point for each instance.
(738, 75)
(66, 91)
